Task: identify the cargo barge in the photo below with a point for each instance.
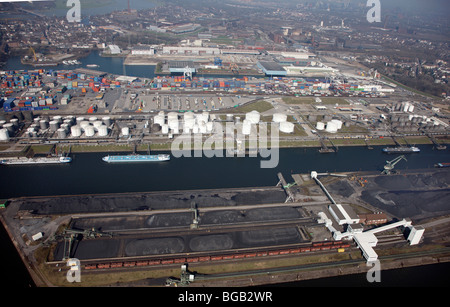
(136, 158)
(442, 165)
(401, 149)
(30, 161)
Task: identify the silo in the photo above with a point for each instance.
(102, 130)
(4, 135)
(43, 124)
(287, 127)
(62, 133)
(279, 118)
(68, 122)
(75, 131)
(172, 116)
(411, 108)
(54, 125)
(93, 119)
(2, 122)
(89, 131)
(320, 126)
(229, 117)
(405, 107)
(66, 128)
(107, 121)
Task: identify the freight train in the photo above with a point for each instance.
(316, 246)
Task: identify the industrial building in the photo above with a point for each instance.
(181, 66)
(143, 50)
(175, 50)
(271, 68)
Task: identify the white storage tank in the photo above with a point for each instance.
(411, 108)
(331, 127)
(89, 131)
(93, 119)
(125, 131)
(406, 107)
(54, 125)
(57, 118)
(165, 129)
(338, 123)
(279, 118)
(188, 123)
(84, 124)
(246, 127)
(62, 133)
(173, 123)
(4, 135)
(80, 120)
(253, 117)
(107, 121)
(159, 119)
(103, 130)
(320, 126)
(97, 124)
(75, 131)
(172, 116)
(15, 122)
(287, 127)
(209, 126)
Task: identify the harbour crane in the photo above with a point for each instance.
(390, 164)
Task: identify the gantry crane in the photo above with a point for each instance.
(390, 164)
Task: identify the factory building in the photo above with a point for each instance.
(343, 214)
(180, 66)
(143, 50)
(271, 68)
(174, 50)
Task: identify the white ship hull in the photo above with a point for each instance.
(30, 161)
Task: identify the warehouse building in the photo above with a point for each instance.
(272, 69)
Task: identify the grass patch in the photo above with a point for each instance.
(260, 106)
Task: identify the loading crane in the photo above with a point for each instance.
(70, 235)
(390, 164)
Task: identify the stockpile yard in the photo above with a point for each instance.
(116, 233)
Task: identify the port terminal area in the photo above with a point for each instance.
(148, 236)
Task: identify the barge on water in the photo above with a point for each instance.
(136, 158)
(442, 165)
(401, 149)
(40, 160)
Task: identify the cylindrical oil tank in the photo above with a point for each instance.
(36, 120)
(79, 120)
(331, 127)
(15, 122)
(156, 128)
(102, 130)
(84, 124)
(229, 117)
(107, 121)
(43, 124)
(10, 128)
(97, 124)
(172, 116)
(93, 119)
(58, 118)
(4, 135)
(35, 126)
(125, 131)
(287, 127)
(62, 133)
(75, 131)
(279, 118)
(68, 122)
(246, 127)
(253, 116)
(165, 129)
(320, 126)
(89, 131)
(54, 125)
(338, 123)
